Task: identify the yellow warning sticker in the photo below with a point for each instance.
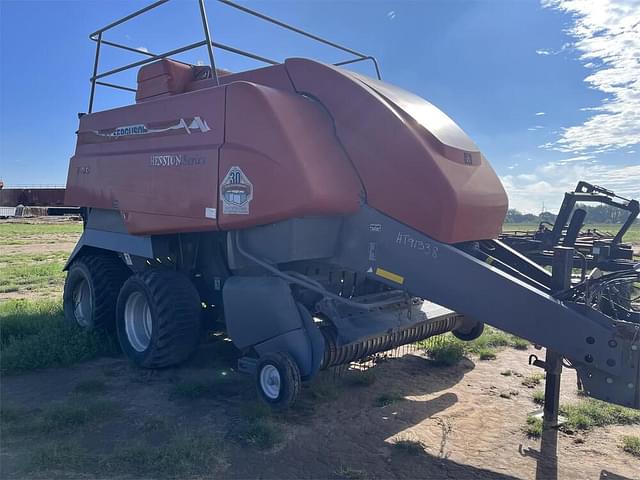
(390, 276)
(489, 260)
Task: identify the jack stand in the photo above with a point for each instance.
(561, 269)
(553, 369)
(552, 366)
(547, 458)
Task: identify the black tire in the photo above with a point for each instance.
(288, 376)
(469, 332)
(174, 315)
(99, 276)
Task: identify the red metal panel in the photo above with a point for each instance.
(291, 163)
(446, 192)
(154, 161)
(164, 77)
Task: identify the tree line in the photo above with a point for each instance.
(595, 214)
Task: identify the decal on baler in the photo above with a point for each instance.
(236, 192)
(179, 126)
(176, 160)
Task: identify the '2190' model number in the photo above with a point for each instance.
(408, 241)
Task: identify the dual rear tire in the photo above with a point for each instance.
(158, 318)
(155, 313)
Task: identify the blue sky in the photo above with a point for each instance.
(549, 91)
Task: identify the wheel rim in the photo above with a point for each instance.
(270, 381)
(137, 321)
(82, 303)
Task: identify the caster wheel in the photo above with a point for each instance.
(278, 380)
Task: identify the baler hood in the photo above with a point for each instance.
(426, 114)
(415, 163)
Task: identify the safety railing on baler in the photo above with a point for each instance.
(97, 37)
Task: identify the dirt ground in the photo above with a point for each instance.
(468, 430)
(469, 418)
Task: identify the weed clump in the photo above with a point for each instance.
(411, 447)
(487, 354)
(257, 428)
(262, 434)
(533, 381)
(538, 397)
(533, 428)
(595, 413)
(631, 444)
(448, 350)
(445, 350)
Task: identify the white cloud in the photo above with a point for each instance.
(391, 14)
(607, 39)
(547, 51)
(547, 183)
(578, 158)
(540, 113)
(143, 49)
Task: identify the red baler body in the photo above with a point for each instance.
(309, 139)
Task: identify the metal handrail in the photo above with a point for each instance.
(129, 17)
(292, 28)
(208, 42)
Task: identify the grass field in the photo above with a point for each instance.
(33, 255)
(36, 274)
(632, 236)
(26, 233)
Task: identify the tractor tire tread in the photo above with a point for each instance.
(107, 273)
(177, 306)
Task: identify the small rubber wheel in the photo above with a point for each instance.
(278, 380)
(158, 318)
(91, 290)
(469, 331)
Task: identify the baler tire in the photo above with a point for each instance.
(172, 304)
(288, 376)
(472, 334)
(102, 275)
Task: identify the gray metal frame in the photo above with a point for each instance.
(97, 37)
(604, 351)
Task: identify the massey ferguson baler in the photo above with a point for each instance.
(328, 215)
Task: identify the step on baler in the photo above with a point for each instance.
(326, 215)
